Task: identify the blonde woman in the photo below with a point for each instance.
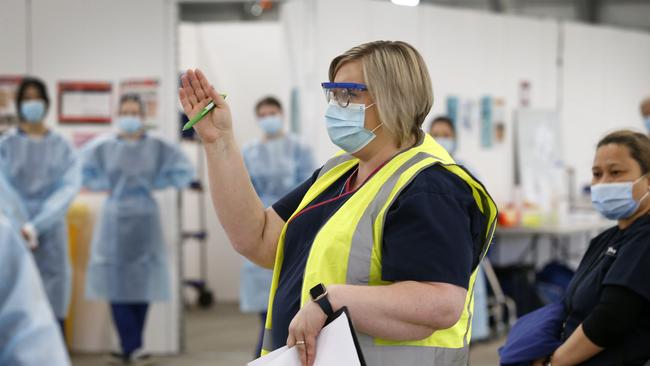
(390, 227)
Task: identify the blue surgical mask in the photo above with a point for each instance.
(129, 124)
(615, 200)
(646, 122)
(271, 124)
(448, 143)
(345, 126)
(32, 111)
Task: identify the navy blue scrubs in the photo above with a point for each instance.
(620, 258)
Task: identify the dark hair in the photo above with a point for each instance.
(444, 119)
(29, 82)
(132, 98)
(269, 100)
(637, 143)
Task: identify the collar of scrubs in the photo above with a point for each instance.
(121, 137)
(638, 223)
(24, 133)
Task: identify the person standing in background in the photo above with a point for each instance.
(443, 130)
(277, 163)
(41, 177)
(128, 261)
(645, 112)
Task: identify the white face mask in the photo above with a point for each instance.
(345, 126)
(615, 200)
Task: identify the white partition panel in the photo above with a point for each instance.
(248, 61)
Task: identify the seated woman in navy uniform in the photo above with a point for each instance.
(608, 301)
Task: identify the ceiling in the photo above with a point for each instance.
(632, 14)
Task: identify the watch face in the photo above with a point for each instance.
(317, 290)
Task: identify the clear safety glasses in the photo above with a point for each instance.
(343, 93)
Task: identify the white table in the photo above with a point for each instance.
(557, 233)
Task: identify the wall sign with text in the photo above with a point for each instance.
(85, 102)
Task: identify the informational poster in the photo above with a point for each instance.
(499, 122)
(486, 122)
(452, 110)
(468, 114)
(540, 154)
(85, 102)
(8, 112)
(148, 91)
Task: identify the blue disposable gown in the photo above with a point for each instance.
(128, 261)
(40, 177)
(275, 167)
(29, 334)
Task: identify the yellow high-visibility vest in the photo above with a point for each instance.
(348, 250)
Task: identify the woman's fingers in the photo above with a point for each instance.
(189, 91)
(296, 339)
(301, 347)
(190, 108)
(310, 349)
(291, 340)
(187, 107)
(196, 85)
(210, 91)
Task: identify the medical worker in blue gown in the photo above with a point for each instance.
(128, 261)
(29, 334)
(41, 176)
(277, 163)
(444, 131)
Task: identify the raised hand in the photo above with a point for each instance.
(196, 92)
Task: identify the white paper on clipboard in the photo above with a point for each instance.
(334, 347)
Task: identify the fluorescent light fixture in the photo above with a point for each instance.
(406, 2)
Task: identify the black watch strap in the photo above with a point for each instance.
(325, 304)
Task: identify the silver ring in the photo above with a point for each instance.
(300, 343)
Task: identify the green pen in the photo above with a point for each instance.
(208, 108)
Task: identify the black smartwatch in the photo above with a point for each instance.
(319, 296)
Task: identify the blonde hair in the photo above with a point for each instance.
(398, 81)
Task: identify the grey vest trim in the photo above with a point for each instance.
(359, 262)
(334, 162)
(267, 343)
(362, 240)
(411, 355)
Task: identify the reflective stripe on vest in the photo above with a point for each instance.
(348, 250)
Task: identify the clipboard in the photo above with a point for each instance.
(337, 340)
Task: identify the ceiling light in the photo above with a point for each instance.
(406, 2)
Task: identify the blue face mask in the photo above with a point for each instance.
(129, 124)
(32, 111)
(646, 121)
(615, 200)
(345, 126)
(448, 143)
(271, 124)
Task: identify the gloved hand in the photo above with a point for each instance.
(30, 235)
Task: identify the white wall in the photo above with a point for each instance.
(606, 74)
(13, 37)
(103, 40)
(247, 61)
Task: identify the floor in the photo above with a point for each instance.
(222, 336)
